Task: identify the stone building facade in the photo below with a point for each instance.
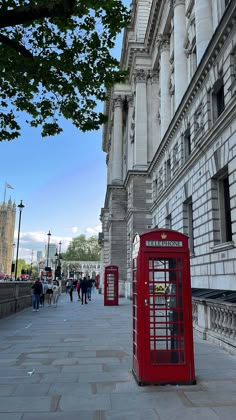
(170, 140)
(7, 226)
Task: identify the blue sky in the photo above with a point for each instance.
(61, 180)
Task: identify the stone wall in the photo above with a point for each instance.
(14, 297)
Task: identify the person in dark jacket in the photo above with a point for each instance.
(37, 292)
(84, 288)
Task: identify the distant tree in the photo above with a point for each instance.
(55, 61)
(21, 265)
(83, 249)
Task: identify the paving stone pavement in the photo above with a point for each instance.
(74, 362)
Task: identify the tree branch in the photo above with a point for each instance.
(20, 15)
(16, 45)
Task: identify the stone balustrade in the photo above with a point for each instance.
(215, 321)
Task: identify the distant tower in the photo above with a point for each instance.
(7, 226)
(39, 255)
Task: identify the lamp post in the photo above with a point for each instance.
(56, 265)
(59, 248)
(20, 206)
(31, 265)
(12, 264)
(49, 234)
(59, 260)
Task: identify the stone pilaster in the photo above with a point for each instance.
(165, 111)
(140, 143)
(117, 142)
(131, 133)
(153, 107)
(180, 59)
(204, 26)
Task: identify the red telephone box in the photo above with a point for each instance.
(111, 285)
(162, 309)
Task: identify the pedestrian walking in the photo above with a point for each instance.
(84, 288)
(49, 292)
(37, 291)
(56, 293)
(78, 289)
(42, 297)
(71, 289)
(67, 286)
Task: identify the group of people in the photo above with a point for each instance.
(40, 289)
(51, 290)
(84, 288)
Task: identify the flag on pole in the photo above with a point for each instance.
(9, 186)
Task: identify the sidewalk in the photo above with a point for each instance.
(73, 362)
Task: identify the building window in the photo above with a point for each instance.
(175, 156)
(188, 222)
(187, 144)
(221, 208)
(218, 98)
(168, 222)
(168, 170)
(155, 189)
(161, 179)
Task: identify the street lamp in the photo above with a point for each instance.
(12, 264)
(49, 234)
(56, 265)
(21, 206)
(59, 260)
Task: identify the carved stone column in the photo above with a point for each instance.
(117, 142)
(165, 111)
(131, 133)
(180, 58)
(204, 26)
(153, 108)
(140, 143)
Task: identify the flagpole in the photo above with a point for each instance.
(5, 192)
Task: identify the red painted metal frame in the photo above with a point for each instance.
(162, 309)
(111, 285)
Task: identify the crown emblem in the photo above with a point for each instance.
(163, 235)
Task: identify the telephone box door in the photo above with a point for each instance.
(111, 285)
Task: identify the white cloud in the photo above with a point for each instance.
(93, 231)
(74, 229)
(37, 241)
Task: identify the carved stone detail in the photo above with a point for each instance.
(117, 102)
(163, 42)
(140, 76)
(154, 76)
(178, 2)
(132, 128)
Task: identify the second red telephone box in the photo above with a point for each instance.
(162, 309)
(111, 286)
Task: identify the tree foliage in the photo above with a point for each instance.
(82, 249)
(55, 61)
